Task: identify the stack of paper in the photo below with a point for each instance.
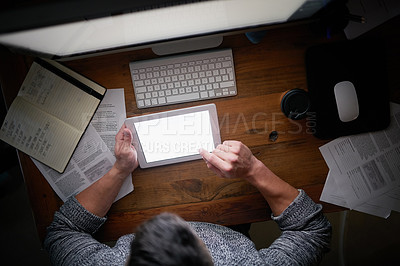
(364, 170)
(94, 155)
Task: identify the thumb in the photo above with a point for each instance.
(127, 140)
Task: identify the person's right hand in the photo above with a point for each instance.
(231, 159)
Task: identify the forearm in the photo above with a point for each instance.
(69, 237)
(276, 192)
(99, 197)
(306, 234)
(233, 159)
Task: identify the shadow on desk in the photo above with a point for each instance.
(19, 239)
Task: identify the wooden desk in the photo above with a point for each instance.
(263, 72)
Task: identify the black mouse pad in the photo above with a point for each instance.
(361, 62)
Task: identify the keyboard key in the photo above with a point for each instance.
(183, 97)
(203, 94)
(141, 89)
(226, 64)
(226, 84)
(139, 83)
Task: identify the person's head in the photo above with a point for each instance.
(166, 239)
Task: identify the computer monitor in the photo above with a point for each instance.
(73, 29)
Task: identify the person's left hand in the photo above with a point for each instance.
(125, 152)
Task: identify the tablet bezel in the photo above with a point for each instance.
(212, 110)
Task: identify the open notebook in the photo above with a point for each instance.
(51, 112)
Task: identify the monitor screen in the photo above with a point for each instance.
(74, 34)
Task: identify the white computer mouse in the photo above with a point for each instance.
(346, 101)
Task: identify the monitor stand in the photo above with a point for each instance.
(187, 45)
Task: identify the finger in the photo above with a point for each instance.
(204, 153)
(120, 134)
(223, 147)
(228, 157)
(231, 143)
(234, 146)
(214, 159)
(127, 138)
(214, 169)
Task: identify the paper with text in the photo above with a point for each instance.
(110, 116)
(48, 117)
(366, 165)
(40, 135)
(57, 97)
(332, 194)
(92, 158)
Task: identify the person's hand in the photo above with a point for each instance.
(231, 159)
(125, 152)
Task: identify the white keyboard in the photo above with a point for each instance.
(183, 78)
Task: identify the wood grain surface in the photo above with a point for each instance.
(263, 73)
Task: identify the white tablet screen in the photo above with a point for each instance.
(175, 136)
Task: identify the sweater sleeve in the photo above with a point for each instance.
(306, 234)
(69, 239)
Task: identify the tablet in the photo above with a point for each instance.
(174, 136)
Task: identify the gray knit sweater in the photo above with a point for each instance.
(305, 237)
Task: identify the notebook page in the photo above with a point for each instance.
(39, 134)
(56, 96)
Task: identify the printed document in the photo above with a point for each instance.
(110, 116)
(332, 194)
(92, 157)
(366, 167)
